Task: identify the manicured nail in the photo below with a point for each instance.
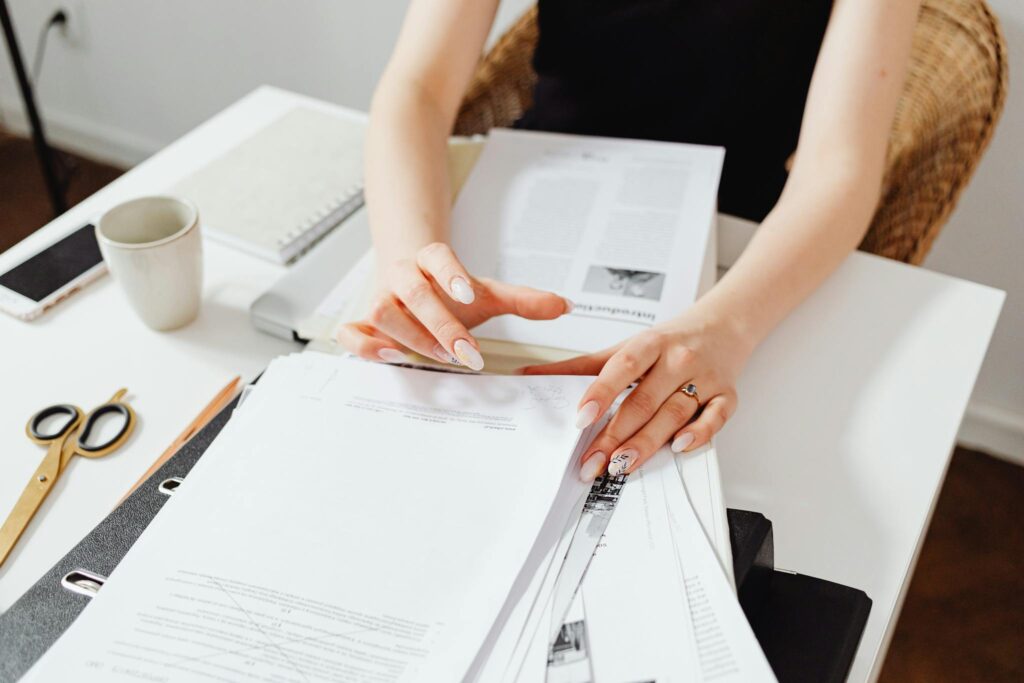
(621, 463)
(391, 356)
(468, 355)
(569, 305)
(444, 356)
(593, 467)
(587, 414)
(681, 442)
(461, 291)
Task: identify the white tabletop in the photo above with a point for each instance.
(848, 412)
(848, 416)
(86, 347)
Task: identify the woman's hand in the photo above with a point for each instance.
(688, 350)
(429, 303)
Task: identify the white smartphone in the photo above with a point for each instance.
(51, 274)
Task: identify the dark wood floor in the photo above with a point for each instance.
(963, 619)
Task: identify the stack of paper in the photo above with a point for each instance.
(361, 522)
(656, 605)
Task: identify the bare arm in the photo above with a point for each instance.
(822, 215)
(427, 300)
(411, 118)
(833, 189)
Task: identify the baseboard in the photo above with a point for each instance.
(84, 137)
(993, 430)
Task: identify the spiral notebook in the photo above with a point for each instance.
(279, 191)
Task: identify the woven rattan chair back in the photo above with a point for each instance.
(952, 99)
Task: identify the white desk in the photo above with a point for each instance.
(848, 412)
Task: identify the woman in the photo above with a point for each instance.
(760, 77)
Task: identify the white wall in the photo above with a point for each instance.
(984, 242)
(132, 75)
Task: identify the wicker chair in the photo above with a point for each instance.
(954, 94)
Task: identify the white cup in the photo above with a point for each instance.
(152, 247)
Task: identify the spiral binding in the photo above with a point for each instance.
(321, 222)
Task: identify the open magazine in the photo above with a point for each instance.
(623, 228)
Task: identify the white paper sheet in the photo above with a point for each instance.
(521, 649)
(658, 605)
(618, 226)
(534, 585)
(569, 653)
(531, 644)
(333, 532)
(596, 515)
(703, 483)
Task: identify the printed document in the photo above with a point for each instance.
(623, 228)
(682, 621)
(353, 521)
(620, 227)
(574, 643)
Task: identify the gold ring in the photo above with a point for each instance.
(690, 389)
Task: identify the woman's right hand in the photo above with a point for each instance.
(429, 302)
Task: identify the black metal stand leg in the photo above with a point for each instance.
(43, 151)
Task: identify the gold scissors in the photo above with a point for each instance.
(67, 438)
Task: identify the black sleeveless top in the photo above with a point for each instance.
(733, 73)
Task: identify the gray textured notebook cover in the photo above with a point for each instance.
(42, 614)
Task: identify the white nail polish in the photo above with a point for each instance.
(569, 305)
(461, 291)
(391, 356)
(593, 467)
(622, 462)
(587, 414)
(444, 356)
(680, 444)
(468, 355)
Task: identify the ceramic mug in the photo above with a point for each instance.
(153, 248)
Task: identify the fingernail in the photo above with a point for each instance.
(592, 467)
(444, 356)
(461, 291)
(681, 442)
(468, 355)
(587, 414)
(622, 462)
(569, 305)
(391, 356)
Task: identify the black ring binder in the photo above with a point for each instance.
(170, 485)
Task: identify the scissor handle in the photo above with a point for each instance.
(35, 432)
(114, 405)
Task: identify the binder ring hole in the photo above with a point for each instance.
(83, 582)
(169, 486)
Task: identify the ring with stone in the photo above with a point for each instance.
(690, 389)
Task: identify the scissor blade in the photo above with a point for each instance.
(31, 498)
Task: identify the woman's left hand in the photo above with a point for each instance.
(689, 350)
